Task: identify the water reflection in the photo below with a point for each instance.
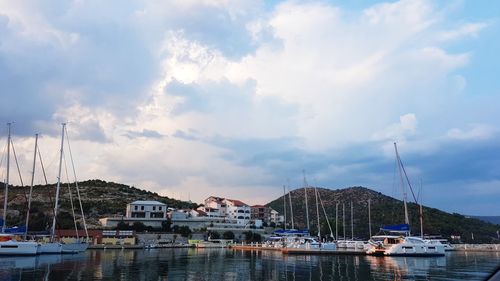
(222, 264)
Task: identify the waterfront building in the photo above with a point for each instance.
(150, 213)
(108, 237)
(261, 212)
(275, 217)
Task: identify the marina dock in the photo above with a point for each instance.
(296, 251)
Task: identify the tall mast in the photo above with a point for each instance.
(58, 187)
(284, 206)
(421, 213)
(305, 195)
(77, 189)
(343, 218)
(31, 186)
(5, 200)
(407, 221)
(352, 222)
(317, 212)
(336, 221)
(291, 207)
(369, 218)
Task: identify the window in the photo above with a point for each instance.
(135, 208)
(142, 208)
(156, 215)
(154, 208)
(138, 215)
(159, 208)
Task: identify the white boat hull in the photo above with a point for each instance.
(50, 248)
(72, 248)
(405, 249)
(12, 248)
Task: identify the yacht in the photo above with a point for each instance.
(399, 245)
(10, 242)
(310, 243)
(9, 245)
(353, 245)
(399, 242)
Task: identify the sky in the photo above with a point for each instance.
(237, 98)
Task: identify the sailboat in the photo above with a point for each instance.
(399, 241)
(10, 242)
(43, 247)
(78, 245)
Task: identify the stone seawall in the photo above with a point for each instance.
(477, 247)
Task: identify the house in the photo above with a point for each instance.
(150, 213)
(261, 212)
(238, 210)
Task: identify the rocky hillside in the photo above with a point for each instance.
(99, 199)
(385, 210)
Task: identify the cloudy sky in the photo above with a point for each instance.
(235, 98)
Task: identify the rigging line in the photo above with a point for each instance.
(31, 187)
(20, 177)
(51, 195)
(324, 211)
(17, 163)
(408, 180)
(3, 157)
(43, 167)
(76, 184)
(71, 198)
(394, 188)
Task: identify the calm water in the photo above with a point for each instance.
(220, 264)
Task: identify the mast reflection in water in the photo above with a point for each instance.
(222, 264)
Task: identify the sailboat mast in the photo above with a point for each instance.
(336, 221)
(352, 222)
(305, 196)
(317, 212)
(5, 200)
(421, 213)
(369, 218)
(291, 207)
(284, 206)
(407, 221)
(58, 187)
(77, 188)
(343, 218)
(31, 186)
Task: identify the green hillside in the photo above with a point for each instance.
(385, 210)
(99, 199)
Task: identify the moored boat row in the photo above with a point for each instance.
(14, 241)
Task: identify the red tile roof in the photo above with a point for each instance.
(237, 203)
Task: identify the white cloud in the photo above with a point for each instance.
(465, 30)
(474, 132)
(407, 126)
(312, 72)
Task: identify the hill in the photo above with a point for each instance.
(99, 199)
(385, 210)
(490, 219)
